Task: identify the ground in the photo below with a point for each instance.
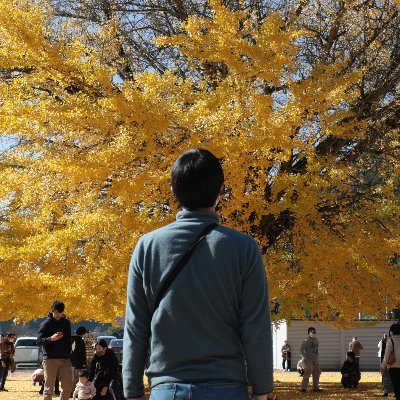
(287, 387)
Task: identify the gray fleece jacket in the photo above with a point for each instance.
(309, 349)
(213, 319)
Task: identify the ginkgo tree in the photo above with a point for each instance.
(301, 106)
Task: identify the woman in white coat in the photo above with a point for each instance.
(393, 345)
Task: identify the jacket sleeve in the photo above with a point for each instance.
(113, 362)
(388, 350)
(92, 390)
(255, 324)
(303, 349)
(92, 368)
(344, 369)
(137, 330)
(43, 337)
(67, 335)
(82, 352)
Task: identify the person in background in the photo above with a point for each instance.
(355, 346)
(300, 367)
(350, 372)
(84, 389)
(309, 352)
(88, 338)
(78, 354)
(393, 346)
(6, 353)
(382, 346)
(286, 355)
(105, 373)
(54, 336)
(386, 382)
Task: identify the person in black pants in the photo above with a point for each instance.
(393, 346)
(6, 352)
(350, 372)
(105, 373)
(286, 356)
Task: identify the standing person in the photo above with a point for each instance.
(355, 346)
(6, 354)
(105, 373)
(286, 356)
(78, 353)
(88, 338)
(382, 346)
(386, 382)
(55, 338)
(393, 345)
(198, 332)
(309, 352)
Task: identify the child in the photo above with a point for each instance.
(84, 388)
(300, 367)
(350, 372)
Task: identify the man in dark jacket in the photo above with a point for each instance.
(350, 372)
(78, 355)
(55, 338)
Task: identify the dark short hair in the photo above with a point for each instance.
(81, 330)
(10, 334)
(58, 306)
(196, 179)
(101, 343)
(395, 328)
(84, 372)
(351, 355)
(311, 329)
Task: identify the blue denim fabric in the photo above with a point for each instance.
(199, 391)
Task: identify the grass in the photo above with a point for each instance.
(287, 387)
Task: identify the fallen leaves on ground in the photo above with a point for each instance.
(287, 387)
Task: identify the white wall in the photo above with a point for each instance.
(279, 334)
(333, 343)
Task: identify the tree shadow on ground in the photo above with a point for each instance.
(331, 390)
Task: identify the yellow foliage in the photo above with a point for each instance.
(87, 172)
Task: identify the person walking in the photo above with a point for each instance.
(78, 353)
(309, 352)
(54, 336)
(286, 355)
(355, 346)
(6, 353)
(393, 350)
(197, 300)
(105, 373)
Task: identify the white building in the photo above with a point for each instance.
(333, 343)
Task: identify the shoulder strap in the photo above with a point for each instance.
(179, 265)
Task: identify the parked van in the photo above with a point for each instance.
(27, 352)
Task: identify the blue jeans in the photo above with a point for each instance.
(199, 391)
